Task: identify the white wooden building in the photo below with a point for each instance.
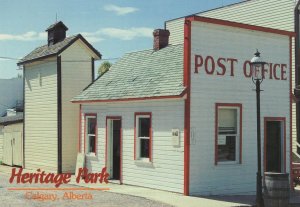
(53, 74)
(283, 15)
(182, 117)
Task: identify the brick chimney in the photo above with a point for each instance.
(56, 33)
(161, 38)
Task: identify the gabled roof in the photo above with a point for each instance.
(11, 119)
(60, 24)
(52, 50)
(143, 74)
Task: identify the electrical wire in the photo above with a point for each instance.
(18, 59)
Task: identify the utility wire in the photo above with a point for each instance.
(10, 58)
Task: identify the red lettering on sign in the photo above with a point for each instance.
(276, 66)
(212, 69)
(247, 70)
(271, 71)
(283, 72)
(198, 62)
(232, 61)
(221, 66)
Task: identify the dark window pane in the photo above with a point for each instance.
(91, 125)
(227, 152)
(144, 148)
(92, 144)
(144, 127)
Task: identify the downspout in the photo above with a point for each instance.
(297, 67)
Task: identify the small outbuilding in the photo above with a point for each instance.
(11, 139)
(53, 74)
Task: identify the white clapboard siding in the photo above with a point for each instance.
(166, 173)
(176, 28)
(207, 90)
(75, 77)
(14, 142)
(267, 13)
(41, 115)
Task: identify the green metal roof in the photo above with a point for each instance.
(143, 74)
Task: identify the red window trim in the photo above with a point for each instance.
(96, 131)
(121, 141)
(281, 119)
(238, 105)
(79, 130)
(150, 133)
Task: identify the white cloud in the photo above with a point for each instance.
(120, 10)
(28, 36)
(92, 37)
(117, 33)
(127, 34)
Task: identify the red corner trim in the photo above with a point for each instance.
(187, 84)
(79, 129)
(240, 25)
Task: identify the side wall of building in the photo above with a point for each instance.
(213, 85)
(76, 74)
(41, 115)
(166, 170)
(266, 13)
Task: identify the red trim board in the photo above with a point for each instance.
(132, 99)
(187, 104)
(240, 25)
(79, 130)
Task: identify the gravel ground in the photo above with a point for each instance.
(99, 198)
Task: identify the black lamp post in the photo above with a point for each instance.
(257, 65)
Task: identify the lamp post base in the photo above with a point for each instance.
(259, 196)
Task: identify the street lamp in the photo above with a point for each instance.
(257, 65)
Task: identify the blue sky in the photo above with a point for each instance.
(112, 27)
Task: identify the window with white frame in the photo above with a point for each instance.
(228, 134)
(91, 124)
(143, 137)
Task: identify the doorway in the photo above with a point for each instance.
(274, 145)
(13, 148)
(114, 147)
